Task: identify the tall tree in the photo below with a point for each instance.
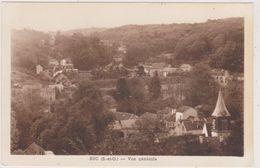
(155, 86)
(75, 125)
(122, 90)
(203, 87)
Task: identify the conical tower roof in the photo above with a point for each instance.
(220, 109)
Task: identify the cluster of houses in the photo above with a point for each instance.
(163, 69)
(58, 82)
(176, 122)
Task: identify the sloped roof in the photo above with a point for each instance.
(148, 115)
(125, 124)
(34, 149)
(166, 110)
(193, 125)
(183, 109)
(220, 109)
(124, 116)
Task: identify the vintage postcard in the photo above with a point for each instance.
(140, 84)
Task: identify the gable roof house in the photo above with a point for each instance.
(190, 127)
(160, 68)
(124, 123)
(34, 149)
(186, 112)
(221, 76)
(124, 116)
(53, 62)
(168, 70)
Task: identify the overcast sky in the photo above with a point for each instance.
(52, 17)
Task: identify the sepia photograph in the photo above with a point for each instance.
(139, 79)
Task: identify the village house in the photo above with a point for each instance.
(185, 67)
(218, 125)
(39, 69)
(118, 58)
(190, 127)
(82, 74)
(67, 66)
(122, 48)
(148, 121)
(240, 77)
(186, 112)
(125, 123)
(60, 78)
(59, 86)
(124, 115)
(168, 70)
(107, 43)
(221, 76)
(125, 127)
(161, 68)
(53, 62)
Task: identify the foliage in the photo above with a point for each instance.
(234, 98)
(27, 106)
(29, 48)
(203, 86)
(142, 144)
(75, 125)
(122, 90)
(131, 95)
(220, 44)
(85, 52)
(155, 86)
(15, 133)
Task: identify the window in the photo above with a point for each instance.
(224, 124)
(214, 124)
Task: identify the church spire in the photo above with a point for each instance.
(220, 109)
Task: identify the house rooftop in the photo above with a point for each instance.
(183, 109)
(148, 115)
(193, 125)
(124, 116)
(125, 124)
(34, 149)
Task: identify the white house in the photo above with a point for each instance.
(185, 67)
(221, 76)
(122, 48)
(168, 70)
(39, 69)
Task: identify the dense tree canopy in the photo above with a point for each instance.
(203, 87)
(155, 86)
(29, 48)
(85, 52)
(219, 42)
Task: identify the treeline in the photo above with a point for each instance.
(30, 48)
(219, 43)
(86, 52)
